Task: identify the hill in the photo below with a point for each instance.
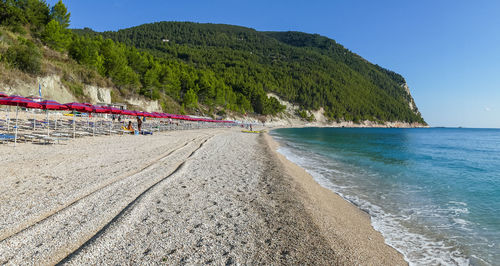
(307, 69)
(203, 68)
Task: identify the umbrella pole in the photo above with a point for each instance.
(15, 137)
(48, 123)
(34, 120)
(93, 126)
(74, 124)
(8, 120)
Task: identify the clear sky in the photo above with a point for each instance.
(448, 50)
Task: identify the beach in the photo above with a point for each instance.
(215, 196)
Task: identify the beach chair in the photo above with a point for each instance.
(6, 138)
(126, 131)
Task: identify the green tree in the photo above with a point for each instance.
(86, 52)
(10, 15)
(56, 36)
(190, 99)
(234, 68)
(37, 13)
(60, 13)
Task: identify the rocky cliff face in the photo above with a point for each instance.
(289, 117)
(97, 94)
(54, 89)
(411, 101)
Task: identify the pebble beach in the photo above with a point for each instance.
(207, 196)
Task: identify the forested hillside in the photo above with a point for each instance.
(219, 67)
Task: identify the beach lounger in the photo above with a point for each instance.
(6, 137)
(126, 131)
(43, 138)
(61, 134)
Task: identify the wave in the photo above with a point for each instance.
(416, 247)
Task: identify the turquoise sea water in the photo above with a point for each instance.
(433, 193)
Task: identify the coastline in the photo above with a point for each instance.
(345, 227)
(198, 196)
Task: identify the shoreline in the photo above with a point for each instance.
(197, 196)
(345, 226)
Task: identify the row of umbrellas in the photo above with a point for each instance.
(15, 100)
(20, 101)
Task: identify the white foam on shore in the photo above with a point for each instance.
(417, 249)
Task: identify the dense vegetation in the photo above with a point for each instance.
(221, 67)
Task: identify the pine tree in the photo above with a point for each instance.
(56, 36)
(60, 13)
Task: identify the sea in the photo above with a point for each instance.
(433, 193)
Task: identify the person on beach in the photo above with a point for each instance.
(139, 124)
(130, 127)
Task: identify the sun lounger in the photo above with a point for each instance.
(43, 138)
(6, 137)
(126, 131)
(61, 134)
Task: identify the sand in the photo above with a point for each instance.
(215, 196)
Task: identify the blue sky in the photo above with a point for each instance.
(448, 51)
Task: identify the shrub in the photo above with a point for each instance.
(25, 57)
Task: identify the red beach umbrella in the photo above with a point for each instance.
(52, 105)
(115, 111)
(99, 109)
(80, 107)
(3, 94)
(157, 115)
(11, 100)
(129, 112)
(17, 101)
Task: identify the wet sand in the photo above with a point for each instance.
(216, 196)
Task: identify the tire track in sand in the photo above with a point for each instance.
(27, 224)
(126, 209)
(66, 230)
